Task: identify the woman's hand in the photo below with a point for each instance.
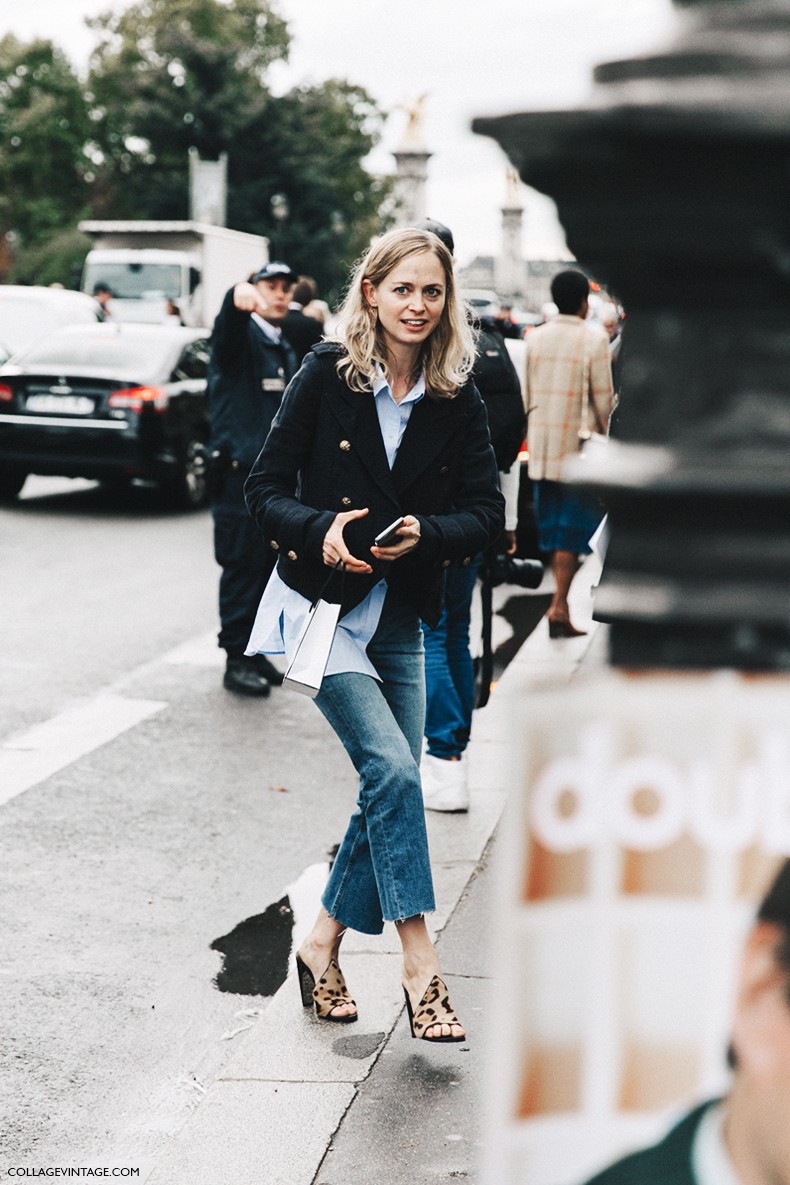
(335, 549)
(409, 538)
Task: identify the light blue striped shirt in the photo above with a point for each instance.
(281, 613)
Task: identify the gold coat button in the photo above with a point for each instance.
(446, 563)
(345, 501)
(345, 445)
(467, 559)
(292, 555)
(274, 545)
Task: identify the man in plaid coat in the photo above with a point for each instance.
(569, 393)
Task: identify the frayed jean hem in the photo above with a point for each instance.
(350, 923)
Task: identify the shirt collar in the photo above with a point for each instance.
(710, 1158)
(380, 382)
(273, 333)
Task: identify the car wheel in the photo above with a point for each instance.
(11, 482)
(187, 489)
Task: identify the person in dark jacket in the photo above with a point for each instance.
(251, 364)
(449, 668)
(302, 332)
(744, 1138)
(385, 424)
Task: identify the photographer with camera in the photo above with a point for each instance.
(449, 668)
(499, 566)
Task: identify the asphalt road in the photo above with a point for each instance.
(180, 812)
(157, 834)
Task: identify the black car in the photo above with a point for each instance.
(109, 402)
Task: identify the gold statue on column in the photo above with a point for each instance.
(414, 132)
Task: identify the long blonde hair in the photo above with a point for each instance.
(447, 355)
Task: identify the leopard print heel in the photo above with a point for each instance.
(433, 1009)
(329, 993)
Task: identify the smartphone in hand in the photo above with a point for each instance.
(389, 535)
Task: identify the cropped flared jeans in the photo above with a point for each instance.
(382, 871)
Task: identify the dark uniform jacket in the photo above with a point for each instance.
(247, 377)
(325, 454)
(666, 1163)
(303, 332)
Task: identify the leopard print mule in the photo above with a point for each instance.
(329, 993)
(433, 1009)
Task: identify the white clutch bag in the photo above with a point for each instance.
(306, 669)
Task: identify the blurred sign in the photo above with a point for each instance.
(208, 189)
(647, 815)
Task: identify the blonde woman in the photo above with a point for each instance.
(383, 423)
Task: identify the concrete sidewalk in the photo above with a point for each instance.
(306, 1103)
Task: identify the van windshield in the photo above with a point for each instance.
(135, 281)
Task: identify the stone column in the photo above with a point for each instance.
(509, 278)
(411, 166)
(673, 187)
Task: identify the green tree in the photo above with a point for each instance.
(169, 75)
(58, 259)
(44, 127)
(309, 147)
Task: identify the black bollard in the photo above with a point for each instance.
(673, 186)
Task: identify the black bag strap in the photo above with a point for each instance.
(325, 586)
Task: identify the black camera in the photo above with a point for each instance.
(500, 568)
(218, 463)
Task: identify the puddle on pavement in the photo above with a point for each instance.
(256, 953)
(359, 1046)
(522, 613)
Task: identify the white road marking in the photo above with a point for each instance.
(201, 651)
(29, 757)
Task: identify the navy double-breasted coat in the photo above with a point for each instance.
(325, 454)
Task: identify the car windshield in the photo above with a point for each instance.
(136, 281)
(145, 357)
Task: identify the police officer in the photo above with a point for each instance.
(251, 364)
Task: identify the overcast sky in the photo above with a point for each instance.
(470, 59)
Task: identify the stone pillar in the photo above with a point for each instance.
(509, 277)
(673, 187)
(411, 167)
(411, 175)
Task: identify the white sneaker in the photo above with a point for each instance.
(445, 784)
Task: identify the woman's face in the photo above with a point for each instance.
(410, 300)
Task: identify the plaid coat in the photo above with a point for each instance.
(555, 368)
